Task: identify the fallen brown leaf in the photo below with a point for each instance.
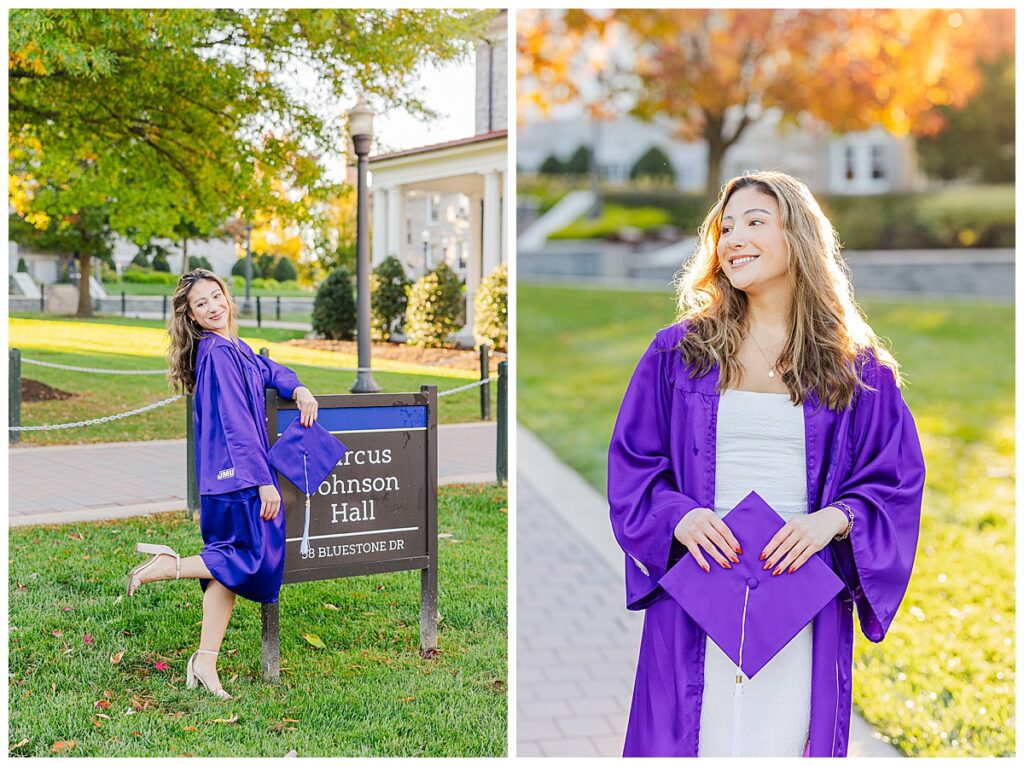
(189, 728)
(406, 699)
(102, 704)
(116, 658)
(62, 745)
(232, 719)
(19, 744)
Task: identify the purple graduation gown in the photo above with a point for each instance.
(242, 551)
(661, 465)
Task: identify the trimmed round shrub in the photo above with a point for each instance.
(22, 266)
(284, 271)
(435, 308)
(389, 295)
(160, 262)
(334, 308)
(141, 259)
(199, 262)
(653, 163)
(490, 310)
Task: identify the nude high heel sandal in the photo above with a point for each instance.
(193, 679)
(156, 551)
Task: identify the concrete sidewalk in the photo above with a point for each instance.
(55, 485)
(577, 644)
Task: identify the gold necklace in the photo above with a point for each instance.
(771, 367)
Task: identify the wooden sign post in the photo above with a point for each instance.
(376, 512)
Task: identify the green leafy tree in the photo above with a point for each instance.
(978, 140)
(435, 307)
(389, 296)
(334, 307)
(653, 163)
(180, 114)
(490, 310)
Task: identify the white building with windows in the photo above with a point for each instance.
(865, 162)
(446, 202)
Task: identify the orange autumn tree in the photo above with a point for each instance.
(713, 73)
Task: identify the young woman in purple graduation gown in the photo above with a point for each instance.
(240, 515)
(771, 380)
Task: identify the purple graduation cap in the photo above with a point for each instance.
(306, 456)
(748, 613)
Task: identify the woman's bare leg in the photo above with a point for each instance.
(218, 602)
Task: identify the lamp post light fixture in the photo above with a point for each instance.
(360, 127)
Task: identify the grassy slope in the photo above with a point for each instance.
(942, 682)
(368, 693)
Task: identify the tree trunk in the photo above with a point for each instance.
(716, 154)
(595, 174)
(84, 272)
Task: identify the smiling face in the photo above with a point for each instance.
(209, 306)
(752, 249)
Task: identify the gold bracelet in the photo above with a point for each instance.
(849, 512)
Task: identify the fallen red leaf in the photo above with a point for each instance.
(102, 703)
(56, 632)
(87, 638)
(61, 745)
(162, 666)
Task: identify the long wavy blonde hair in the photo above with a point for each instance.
(185, 331)
(827, 331)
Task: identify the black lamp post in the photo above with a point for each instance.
(360, 126)
(247, 305)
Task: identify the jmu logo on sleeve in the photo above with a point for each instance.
(227, 473)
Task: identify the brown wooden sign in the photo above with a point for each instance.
(377, 511)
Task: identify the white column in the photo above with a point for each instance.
(504, 218)
(492, 221)
(379, 248)
(473, 275)
(396, 222)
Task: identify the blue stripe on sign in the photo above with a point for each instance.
(361, 418)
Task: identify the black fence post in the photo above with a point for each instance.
(42, 298)
(124, 310)
(14, 395)
(485, 389)
(259, 312)
(502, 467)
(270, 614)
(278, 314)
(164, 309)
(192, 496)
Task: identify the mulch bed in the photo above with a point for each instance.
(34, 391)
(455, 358)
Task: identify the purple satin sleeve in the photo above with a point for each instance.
(644, 500)
(278, 377)
(234, 443)
(884, 488)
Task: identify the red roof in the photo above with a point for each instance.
(492, 135)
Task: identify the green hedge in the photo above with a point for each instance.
(958, 217)
(137, 275)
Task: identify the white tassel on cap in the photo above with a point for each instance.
(304, 545)
(737, 700)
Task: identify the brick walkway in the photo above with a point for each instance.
(89, 482)
(576, 642)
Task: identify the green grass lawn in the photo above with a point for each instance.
(115, 343)
(942, 683)
(368, 693)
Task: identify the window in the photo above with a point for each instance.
(433, 208)
(848, 162)
(463, 251)
(878, 161)
(408, 231)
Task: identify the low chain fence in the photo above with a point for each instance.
(15, 429)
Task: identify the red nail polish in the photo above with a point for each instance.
(763, 556)
(767, 566)
(727, 565)
(791, 569)
(739, 551)
(734, 560)
(777, 572)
